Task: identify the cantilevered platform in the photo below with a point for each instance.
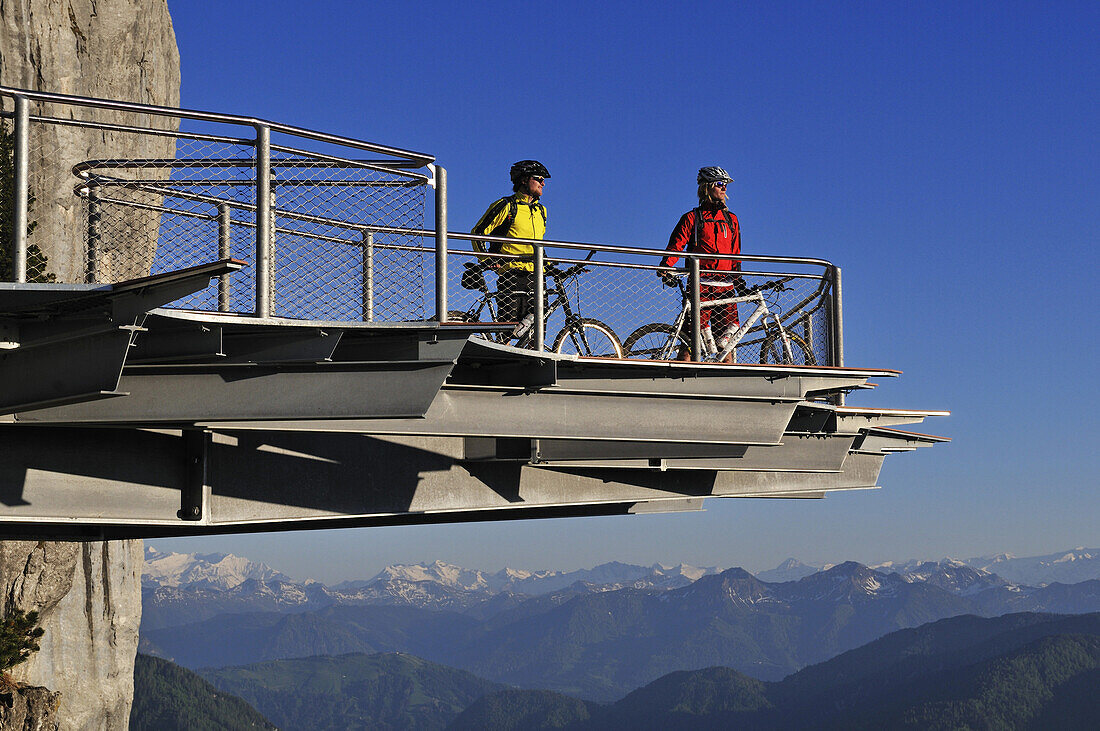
(303, 359)
(225, 423)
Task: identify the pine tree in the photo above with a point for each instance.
(19, 633)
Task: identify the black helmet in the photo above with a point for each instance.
(527, 168)
(713, 174)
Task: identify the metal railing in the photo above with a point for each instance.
(328, 236)
(104, 191)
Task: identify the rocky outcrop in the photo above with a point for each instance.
(28, 709)
(113, 49)
(88, 595)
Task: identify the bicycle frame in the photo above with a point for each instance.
(556, 297)
(731, 338)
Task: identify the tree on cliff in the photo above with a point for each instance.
(19, 633)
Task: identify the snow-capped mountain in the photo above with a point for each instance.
(790, 570)
(1065, 567)
(181, 588)
(178, 588)
(519, 581)
(216, 570)
(954, 576)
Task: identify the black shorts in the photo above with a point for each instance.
(515, 293)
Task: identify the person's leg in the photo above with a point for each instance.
(704, 322)
(509, 295)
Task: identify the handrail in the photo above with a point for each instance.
(539, 246)
(204, 116)
(431, 233)
(261, 177)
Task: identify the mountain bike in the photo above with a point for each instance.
(585, 336)
(661, 341)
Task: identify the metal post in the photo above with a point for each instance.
(368, 276)
(263, 221)
(837, 328)
(838, 320)
(194, 492)
(225, 238)
(441, 243)
(696, 310)
(95, 215)
(540, 298)
(21, 186)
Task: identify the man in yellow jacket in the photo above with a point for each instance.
(519, 216)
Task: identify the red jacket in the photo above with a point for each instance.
(718, 232)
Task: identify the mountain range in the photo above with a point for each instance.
(1064, 567)
(186, 588)
(1019, 671)
(183, 588)
(597, 643)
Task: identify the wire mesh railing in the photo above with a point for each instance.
(99, 191)
(617, 290)
(108, 191)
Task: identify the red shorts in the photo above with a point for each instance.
(724, 315)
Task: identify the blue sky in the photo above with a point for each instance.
(944, 154)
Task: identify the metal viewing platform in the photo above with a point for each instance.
(224, 324)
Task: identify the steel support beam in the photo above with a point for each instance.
(173, 394)
(559, 414)
(145, 482)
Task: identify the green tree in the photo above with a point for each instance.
(19, 633)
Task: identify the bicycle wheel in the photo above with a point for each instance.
(771, 351)
(593, 338)
(649, 341)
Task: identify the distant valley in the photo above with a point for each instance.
(595, 634)
(1018, 671)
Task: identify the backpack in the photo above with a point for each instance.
(698, 214)
(506, 224)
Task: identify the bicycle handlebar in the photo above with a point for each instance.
(553, 270)
(776, 284)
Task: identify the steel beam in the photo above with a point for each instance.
(559, 414)
(888, 441)
(173, 394)
(796, 453)
(140, 482)
(64, 372)
(73, 341)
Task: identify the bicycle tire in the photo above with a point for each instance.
(771, 351)
(647, 342)
(600, 338)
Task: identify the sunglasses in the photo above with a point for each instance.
(538, 179)
(722, 186)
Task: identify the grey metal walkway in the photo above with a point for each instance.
(157, 406)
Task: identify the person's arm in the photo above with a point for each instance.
(496, 214)
(735, 248)
(678, 241)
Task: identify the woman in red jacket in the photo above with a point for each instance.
(713, 229)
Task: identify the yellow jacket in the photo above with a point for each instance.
(516, 216)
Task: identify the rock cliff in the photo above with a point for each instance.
(87, 593)
(113, 49)
(28, 708)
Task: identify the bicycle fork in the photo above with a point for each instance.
(763, 315)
